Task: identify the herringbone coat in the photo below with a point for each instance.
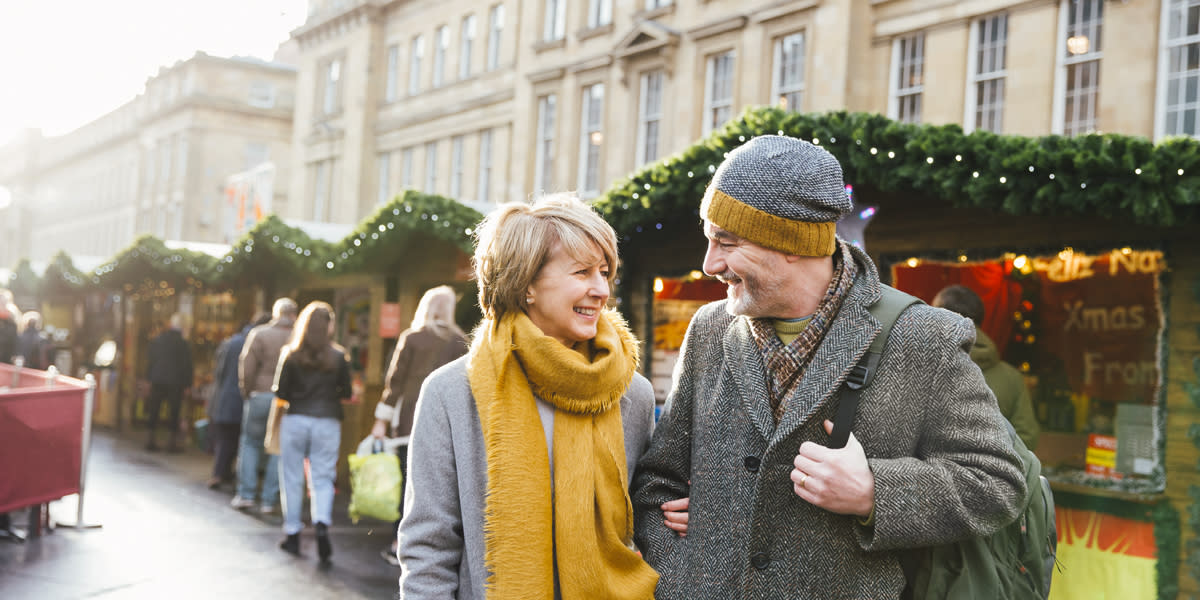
(937, 445)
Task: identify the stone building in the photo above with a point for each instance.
(156, 165)
(496, 100)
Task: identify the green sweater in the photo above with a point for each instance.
(1008, 385)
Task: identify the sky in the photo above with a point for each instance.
(65, 63)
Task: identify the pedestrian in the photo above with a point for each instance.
(432, 340)
(772, 511)
(314, 378)
(225, 407)
(521, 451)
(256, 377)
(33, 345)
(10, 317)
(170, 374)
(1005, 381)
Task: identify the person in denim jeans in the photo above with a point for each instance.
(256, 375)
(314, 378)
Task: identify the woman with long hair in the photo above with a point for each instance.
(432, 340)
(314, 378)
(521, 451)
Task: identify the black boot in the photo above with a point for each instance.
(324, 548)
(291, 544)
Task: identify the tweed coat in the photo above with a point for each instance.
(935, 441)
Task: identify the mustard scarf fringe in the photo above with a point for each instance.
(585, 521)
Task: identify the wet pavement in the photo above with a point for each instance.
(164, 534)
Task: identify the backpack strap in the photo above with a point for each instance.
(886, 310)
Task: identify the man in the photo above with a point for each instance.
(170, 373)
(32, 344)
(256, 375)
(1005, 381)
(225, 407)
(773, 511)
(9, 317)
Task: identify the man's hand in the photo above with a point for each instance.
(676, 515)
(839, 481)
(379, 430)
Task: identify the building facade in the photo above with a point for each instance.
(497, 100)
(156, 165)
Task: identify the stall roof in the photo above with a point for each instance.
(211, 249)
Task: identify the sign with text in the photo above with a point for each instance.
(389, 320)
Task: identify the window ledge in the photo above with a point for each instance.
(545, 45)
(591, 32)
(655, 13)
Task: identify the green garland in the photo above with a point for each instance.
(378, 238)
(271, 249)
(1111, 176)
(23, 282)
(1192, 389)
(62, 278)
(148, 260)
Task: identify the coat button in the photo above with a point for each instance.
(760, 560)
(752, 463)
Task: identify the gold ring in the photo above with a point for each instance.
(803, 478)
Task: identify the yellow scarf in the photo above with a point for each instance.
(589, 524)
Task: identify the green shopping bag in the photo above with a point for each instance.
(375, 486)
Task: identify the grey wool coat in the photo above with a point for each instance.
(935, 441)
(441, 535)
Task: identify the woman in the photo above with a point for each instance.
(313, 377)
(431, 341)
(521, 451)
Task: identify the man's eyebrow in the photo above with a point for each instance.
(721, 234)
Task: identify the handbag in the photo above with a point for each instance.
(279, 408)
(376, 483)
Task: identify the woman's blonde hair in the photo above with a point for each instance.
(435, 311)
(515, 240)
(310, 343)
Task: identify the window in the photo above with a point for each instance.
(544, 153)
(718, 91)
(440, 45)
(591, 139)
(392, 89)
(385, 177)
(456, 166)
(331, 87)
(649, 116)
(554, 20)
(1079, 52)
(430, 167)
(406, 168)
(1181, 104)
(414, 65)
(465, 47)
(787, 82)
(653, 4)
(599, 13)
(483, 189)
(908, 65)
(262, 94)
(495, 31)
(986, 74)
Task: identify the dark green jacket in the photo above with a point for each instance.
(1008, 385)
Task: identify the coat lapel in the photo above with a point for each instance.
(747, 374)
(844, 344)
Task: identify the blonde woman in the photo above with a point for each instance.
(521, 451)
(431, 341)
(314, 378)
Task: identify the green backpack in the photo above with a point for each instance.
(1015, 562)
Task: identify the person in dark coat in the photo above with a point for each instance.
(170, 373)
(225, 410)
(33, 345)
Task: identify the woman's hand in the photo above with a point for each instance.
(676, 515)
(379, 430)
